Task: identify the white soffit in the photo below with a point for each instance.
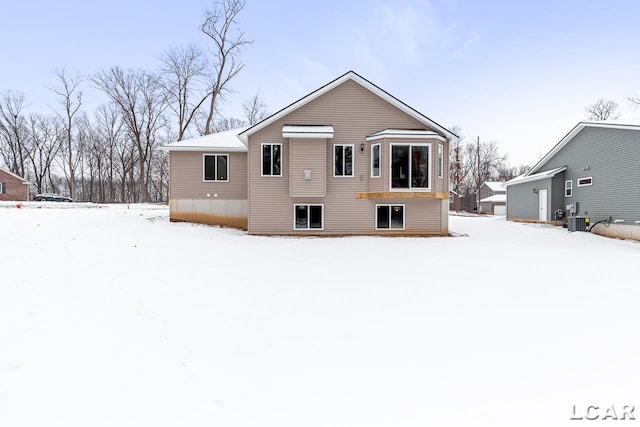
(307, 131)
(405, 134)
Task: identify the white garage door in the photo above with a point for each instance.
(500, 210)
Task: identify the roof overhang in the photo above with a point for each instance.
(535, 177)
(307, 131)
(244, 136)
(225, 141)
(405, 134)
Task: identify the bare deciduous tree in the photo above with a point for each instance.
(221, 27)
(142, 101)
(255, 110)
(484, 161)
(458, 166)
(13, 131)
(228, 124)
(43, 145)
(183, 70)
(71, 101)
(602, 110)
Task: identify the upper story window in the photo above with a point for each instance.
(375, 160)
(440, 160)
(271, 159)
(215, 167)
(568, 188)
(343, 160)
(410, 166)
(582, 182)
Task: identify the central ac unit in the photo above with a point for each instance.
(577, 223)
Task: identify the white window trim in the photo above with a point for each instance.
(228, 167)
(262, 160)
(379, 160)
(410, 189)
(568, 181)
(404, 216)
(440, 161)
(308, 228)
(353, 160)
(3, 185)
(590, 178)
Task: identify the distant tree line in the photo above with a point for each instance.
(472, 161)
(112, 155)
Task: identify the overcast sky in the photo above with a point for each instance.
(520, 73)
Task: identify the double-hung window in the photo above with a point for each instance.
(215, 167)
(307, 217)
(568, 188)
(389, 217)
(343, 160)
(375, 160)
(271, 159)
(410, 166)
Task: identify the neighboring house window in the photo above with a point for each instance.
(389, 217)
(582, 182)
(440, 160)
(3, 187)
(568, 188)
(375, 160)
(216, 167)
(307, 217)
(410, 166)
(343, 160)
(271, 159)
(451, 198)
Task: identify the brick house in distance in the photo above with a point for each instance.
(13, 187)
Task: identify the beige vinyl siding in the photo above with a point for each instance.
(354, 113)
(307, 154)
(186, 169)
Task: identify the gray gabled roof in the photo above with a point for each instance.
(633, 124)
(536, 176)
(351, 75)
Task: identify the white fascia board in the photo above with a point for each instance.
(535, 177)
(405, 134)
(304, 131)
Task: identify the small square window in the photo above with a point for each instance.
(215, 167)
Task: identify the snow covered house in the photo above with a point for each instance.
(593, 172)
(348, 158)
(13, 187)
(492, 198)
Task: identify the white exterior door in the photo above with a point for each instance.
(542, 204)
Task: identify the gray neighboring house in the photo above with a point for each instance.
(593, 172)
(492, 198)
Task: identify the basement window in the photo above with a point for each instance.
(389, 217)
(583, 182)
(307, 217)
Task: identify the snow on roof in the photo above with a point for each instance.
(220, 141)
(8, 172)
(496, 198)
(405, 133)
(631, 124)
(535, 177)
(495, 185)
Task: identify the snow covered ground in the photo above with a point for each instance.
(113, 316)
